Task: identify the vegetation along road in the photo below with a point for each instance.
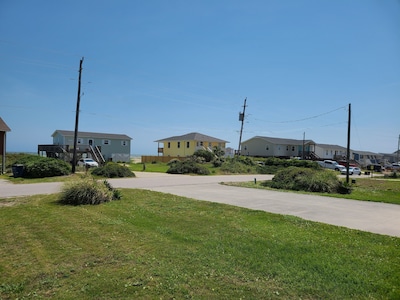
(366, 216)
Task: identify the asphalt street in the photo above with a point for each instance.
(373, 217)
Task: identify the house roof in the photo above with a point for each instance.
(367, 153)
(193, 136)
(282, 141)
(93, 135)
(328, 146)
(3, 126)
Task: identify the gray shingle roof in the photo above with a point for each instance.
(328, 146)
(193, 136)
(82, 134)
(282, 141)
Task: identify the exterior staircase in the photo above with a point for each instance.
(96, 154)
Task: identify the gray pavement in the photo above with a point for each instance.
(373, 217)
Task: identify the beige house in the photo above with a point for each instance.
(263, 146)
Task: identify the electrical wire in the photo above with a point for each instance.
(304, 119)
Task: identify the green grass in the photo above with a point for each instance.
(17, 180)
(158, 246)
(365, 189)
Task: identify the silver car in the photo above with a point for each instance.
(352, 171)
(87, 162)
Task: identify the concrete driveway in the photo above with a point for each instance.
(374, 217)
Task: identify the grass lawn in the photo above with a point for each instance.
(158, 246)
(365, 189)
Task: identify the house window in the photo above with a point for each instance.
(209, 144)
(201, 144)
(292, 148)
(179, 144)
(79, 141)
(187, 144)
(169, 145)
(326, 152)
(267, 148)
(124, 143)
(106, 142)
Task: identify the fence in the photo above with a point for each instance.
(163, 159)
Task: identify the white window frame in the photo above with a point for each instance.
(106, 142)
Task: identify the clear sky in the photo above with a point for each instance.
(154, 69)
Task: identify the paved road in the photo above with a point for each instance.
(367, 216)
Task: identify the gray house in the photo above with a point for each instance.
(263, 146)
(100, 146)
(326, 151)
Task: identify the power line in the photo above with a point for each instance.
(304, 119)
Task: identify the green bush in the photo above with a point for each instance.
(187, 167)
(217, 162)
(239, 165)
(207, 155)
(39, 166)
(306, 179)
(88, 191)
(392, 175)
(272, 165)
(113, 170)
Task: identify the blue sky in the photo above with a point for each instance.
(154, 69)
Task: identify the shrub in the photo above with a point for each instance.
(187, 167)
(88, 191)
(306, 179)
(239, 165)
(392, 175)
(112, 170)
(39, 166)
(217, 162)
(272, 165)
(207, 155)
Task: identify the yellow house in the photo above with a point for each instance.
(186, 145)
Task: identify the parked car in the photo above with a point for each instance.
(352, 170)
(396, 166)
(330, 164)
(376, 168)
(87, 162)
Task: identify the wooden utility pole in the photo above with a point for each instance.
(77, 117)
(241, 118)
(348, 145)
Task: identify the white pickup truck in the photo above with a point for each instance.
(331, 164)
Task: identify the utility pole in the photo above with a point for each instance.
(348, 145)
(241, 118)
(302, 152)
(77, 117)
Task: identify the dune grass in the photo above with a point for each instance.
(158, 246)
